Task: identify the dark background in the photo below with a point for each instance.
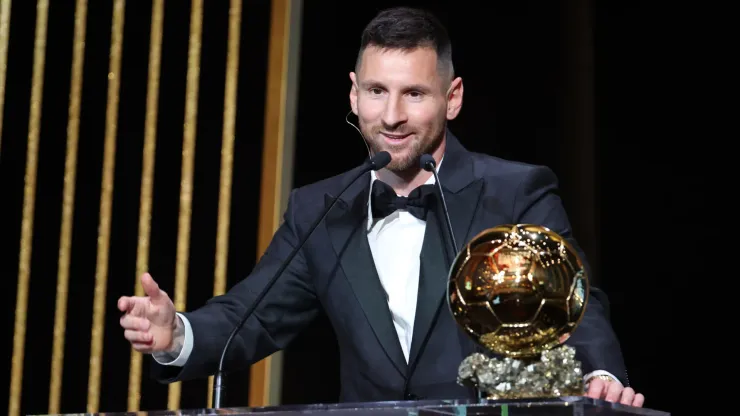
(624, 179)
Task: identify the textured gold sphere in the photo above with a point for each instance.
(518, 290)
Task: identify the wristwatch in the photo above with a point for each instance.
(604, 377)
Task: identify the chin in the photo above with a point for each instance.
(402, 163)
(402, 157)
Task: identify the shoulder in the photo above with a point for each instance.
(523, 192)
(316, 191)
(511, 174)
(307, 200)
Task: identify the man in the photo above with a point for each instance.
(380, 272)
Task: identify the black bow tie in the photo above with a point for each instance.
(384, 200)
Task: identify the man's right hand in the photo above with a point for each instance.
(149, 322)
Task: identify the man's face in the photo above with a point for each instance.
(401, 101)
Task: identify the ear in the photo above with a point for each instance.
(353, 92)
(454, 98)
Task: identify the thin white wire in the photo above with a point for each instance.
(346, 118)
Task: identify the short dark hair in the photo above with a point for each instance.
(408, 28)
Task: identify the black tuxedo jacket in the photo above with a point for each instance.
(335, 272)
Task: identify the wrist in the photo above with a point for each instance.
(176, 323)
(178, 336)
(602, 377)
(606, 378)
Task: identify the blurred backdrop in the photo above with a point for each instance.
(162, 136)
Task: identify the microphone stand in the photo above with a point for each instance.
(430, 165)
(377, 162)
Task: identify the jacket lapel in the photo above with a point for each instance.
(346, 224)
(462, 193)
(432, 281)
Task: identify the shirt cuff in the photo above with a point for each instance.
(593, 374)
(187, 348)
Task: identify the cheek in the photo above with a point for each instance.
(370, 110)
(425, 117)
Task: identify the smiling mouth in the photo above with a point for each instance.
(395, 137)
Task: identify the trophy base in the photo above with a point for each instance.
(556, 373)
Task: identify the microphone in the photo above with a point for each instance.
(377, 162)
(428, 163)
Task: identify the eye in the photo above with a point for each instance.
(375, 91)
(415, 94)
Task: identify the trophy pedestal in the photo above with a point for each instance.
(556, 373)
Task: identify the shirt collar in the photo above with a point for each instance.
(374, 177)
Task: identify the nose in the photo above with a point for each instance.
(394, 113)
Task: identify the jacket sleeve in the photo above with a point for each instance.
(596, 344)
(290, 305)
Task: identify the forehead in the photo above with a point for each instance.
(397, 66)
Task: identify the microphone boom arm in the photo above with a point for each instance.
(377, 162)
(428, 164)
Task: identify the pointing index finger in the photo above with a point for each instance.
(124, 303)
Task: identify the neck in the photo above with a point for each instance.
(406, 181)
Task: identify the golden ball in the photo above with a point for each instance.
(518, 290)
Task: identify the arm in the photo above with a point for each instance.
(290, 305)
(596, 344)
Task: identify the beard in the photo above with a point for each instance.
(404, 156)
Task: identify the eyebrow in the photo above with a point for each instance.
(377, 84)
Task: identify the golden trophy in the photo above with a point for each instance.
(519, 291)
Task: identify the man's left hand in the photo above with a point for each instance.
(614, 392)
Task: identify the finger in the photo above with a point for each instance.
(639, 400)
(596, 388)
(142, 347)
(628, 395)
(136, 305)
(151, 288)
(124, 303)
(613, 391)
(137, 336)
(134, 323)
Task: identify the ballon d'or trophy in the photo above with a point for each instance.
(519, 291)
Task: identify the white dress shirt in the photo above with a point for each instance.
(395, 242)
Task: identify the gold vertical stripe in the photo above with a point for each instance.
(29, 201)
(227, 148)
(186, 181)
(106, 197)
(70, 170)
(147, 181)
(265, 375)
(4, 37)
(227, 157)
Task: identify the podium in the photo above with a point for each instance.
(564, 406)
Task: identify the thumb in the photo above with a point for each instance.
(151, 288)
